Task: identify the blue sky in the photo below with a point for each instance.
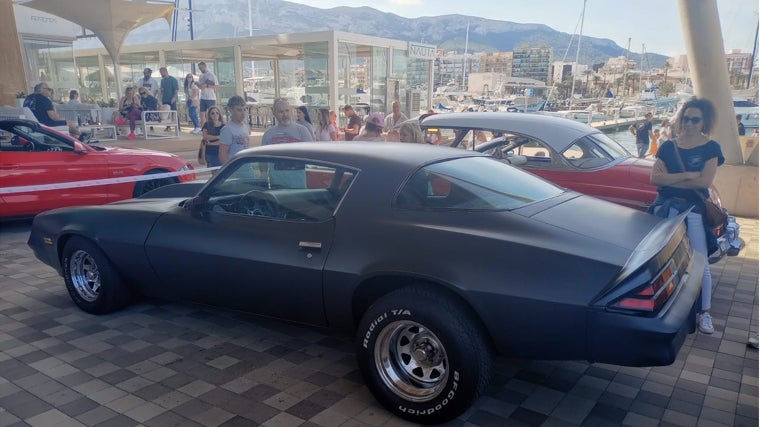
(655, 23)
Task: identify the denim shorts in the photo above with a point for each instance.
(206, 103)
(212, 160)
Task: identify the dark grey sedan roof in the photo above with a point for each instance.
(364, 155)
(557, 132)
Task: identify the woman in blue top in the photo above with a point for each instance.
(683, 172)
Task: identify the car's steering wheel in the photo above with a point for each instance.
(23, 142)
(258, 203)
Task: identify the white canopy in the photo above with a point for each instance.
(110, 20)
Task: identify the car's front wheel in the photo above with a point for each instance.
(423, 355)
(92, 282)
(144, 186)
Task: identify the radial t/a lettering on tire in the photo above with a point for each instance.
(92, 282)
(423, 355)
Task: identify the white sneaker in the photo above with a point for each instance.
(196, 131)
(753, 341)
(705, 323)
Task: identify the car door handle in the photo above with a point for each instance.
(309, 245)
(8, 166)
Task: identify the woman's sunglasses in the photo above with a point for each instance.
(694, 120)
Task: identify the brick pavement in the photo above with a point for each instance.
(160, 364)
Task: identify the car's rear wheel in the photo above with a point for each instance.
(423, 355)
(90, 278)
(142, 187)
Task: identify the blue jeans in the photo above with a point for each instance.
(641, 150)
(192, 111)
(695, 229)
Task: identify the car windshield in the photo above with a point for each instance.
(473, 183)
(25, 138)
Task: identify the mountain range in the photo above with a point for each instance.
(229, 18)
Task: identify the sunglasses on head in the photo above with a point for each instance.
(694, 120)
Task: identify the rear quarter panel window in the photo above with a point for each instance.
(473, 183)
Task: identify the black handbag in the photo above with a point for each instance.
(714, 214)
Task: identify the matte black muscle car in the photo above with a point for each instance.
(437, 259)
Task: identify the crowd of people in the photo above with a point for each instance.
(150, 95)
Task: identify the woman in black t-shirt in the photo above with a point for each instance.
(211, 130)
(683, 172)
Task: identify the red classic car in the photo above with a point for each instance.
(42, 169)
(566, 152)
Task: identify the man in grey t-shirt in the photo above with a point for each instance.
(286, 131)
(235, 135)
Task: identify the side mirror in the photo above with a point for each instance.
(79, 148)
(195, 204)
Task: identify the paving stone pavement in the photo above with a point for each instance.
(167, 364)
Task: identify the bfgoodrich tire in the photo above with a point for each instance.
(423, 355)
(92, 282)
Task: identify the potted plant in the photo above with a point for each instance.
(20, 98)
(107, 109)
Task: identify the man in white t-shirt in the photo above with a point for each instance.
(149, 82)
(395, 117)
(208, 84)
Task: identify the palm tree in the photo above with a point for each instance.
(666, 67)
(596, 79)
(588, 74)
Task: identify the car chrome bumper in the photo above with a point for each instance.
(729, 243)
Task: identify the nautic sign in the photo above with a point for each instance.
(422, 51)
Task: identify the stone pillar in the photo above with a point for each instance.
(14, 78)
(736, 182)
(709, 73)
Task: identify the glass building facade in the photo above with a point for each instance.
(319, 70)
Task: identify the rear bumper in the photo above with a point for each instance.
(729, 243)
(628, 340)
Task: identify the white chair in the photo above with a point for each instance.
(8, 112)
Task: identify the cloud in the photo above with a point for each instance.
(406, 2)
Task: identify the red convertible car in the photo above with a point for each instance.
(42, 169)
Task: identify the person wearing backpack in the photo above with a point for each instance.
(642, 130)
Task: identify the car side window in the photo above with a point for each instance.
(280, 189)
(585, 154)
(475, 183)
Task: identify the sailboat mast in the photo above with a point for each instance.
(464, 57)
(577, 53)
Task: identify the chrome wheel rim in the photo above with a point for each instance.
(411, 361)
(84, 275)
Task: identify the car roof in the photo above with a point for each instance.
(557, 132)
(377, 155)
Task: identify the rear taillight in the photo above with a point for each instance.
(651, 297)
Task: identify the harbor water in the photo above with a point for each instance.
(624, 137)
